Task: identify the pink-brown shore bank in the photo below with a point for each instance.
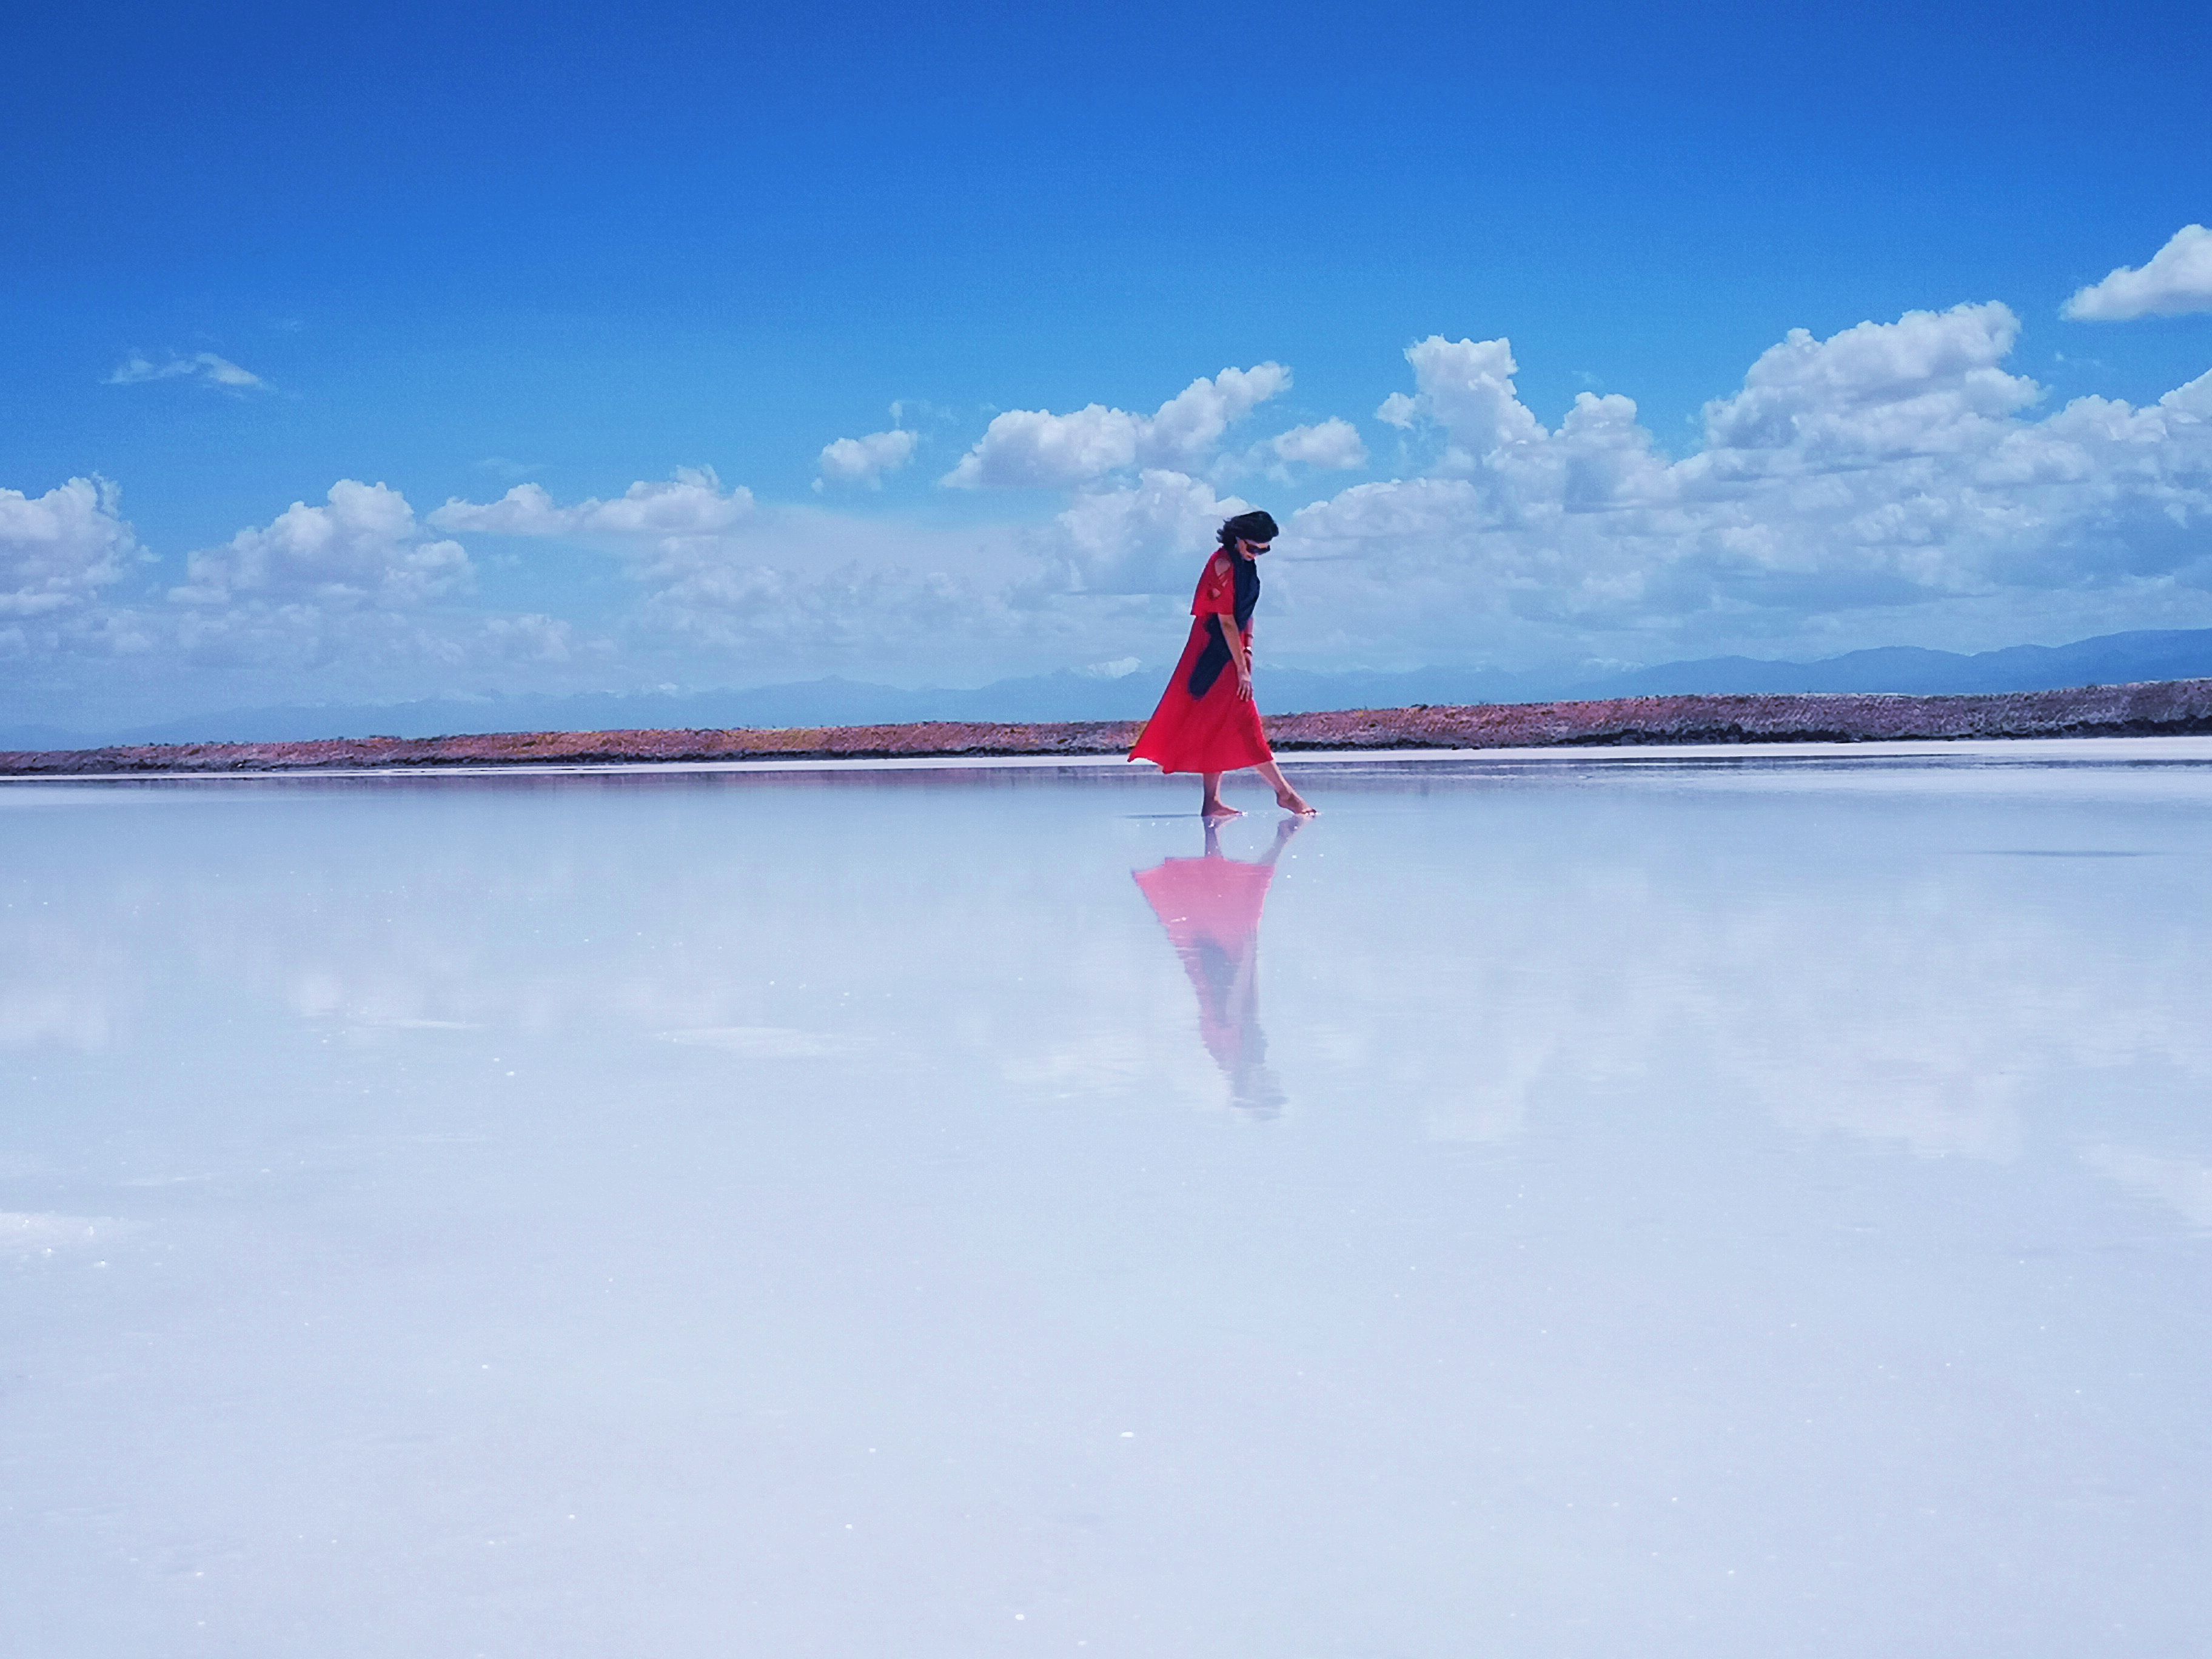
(2160, 709)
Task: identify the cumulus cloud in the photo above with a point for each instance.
(1893, 464)
(794, 619)
(1145, 538)
(1928, 383)
(691, 505)
(58, 549)
(2176, 281)
(1465, 387)
(204, 367)
(866, 460)
(355, 590)
(532, 636)
(1894, 482)
(363, 547)
(1331, 445)
(788, 588)
(1030, 448)
(785, 588)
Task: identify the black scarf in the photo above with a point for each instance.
(1215, 658)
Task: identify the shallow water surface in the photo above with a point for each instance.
(1593, 1206)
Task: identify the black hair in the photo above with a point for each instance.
(1253, 526)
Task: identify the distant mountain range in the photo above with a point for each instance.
(2109, 660)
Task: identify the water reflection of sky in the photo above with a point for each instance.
(1566, 1207)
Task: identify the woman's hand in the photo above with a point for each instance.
(1240, 655)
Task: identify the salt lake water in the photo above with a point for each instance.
(1752, 1203)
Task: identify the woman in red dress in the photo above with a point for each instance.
(1206, 722)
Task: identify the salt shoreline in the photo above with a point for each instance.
(1674, 724)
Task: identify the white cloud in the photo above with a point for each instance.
(1028, 448)
(201, 366)
(1894, 483)
(1032, 447)
(364, 547)
(1188, 425)
(788, 589)
(525, 510)
(2176, 281)
(1465, 387)
(1333, 446)
(691, 505)
(355, 592)
(58, 549)
(1926, 384)
(1146, 538)
(532, 636)
(794, 622)
(783, 590)
(866, 460)
(1890, 470)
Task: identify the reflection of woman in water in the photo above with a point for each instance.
(1206, 722)
(1211, 907)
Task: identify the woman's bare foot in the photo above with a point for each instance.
(1285, 796)
(1220, 809)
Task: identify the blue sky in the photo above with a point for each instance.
(664, 258)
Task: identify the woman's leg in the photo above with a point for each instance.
(1285, 796)
(1212, 807)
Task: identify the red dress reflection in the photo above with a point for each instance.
(1211, 909)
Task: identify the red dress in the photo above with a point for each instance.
(1217, 732)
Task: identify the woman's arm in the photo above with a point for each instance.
(1229, 632)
